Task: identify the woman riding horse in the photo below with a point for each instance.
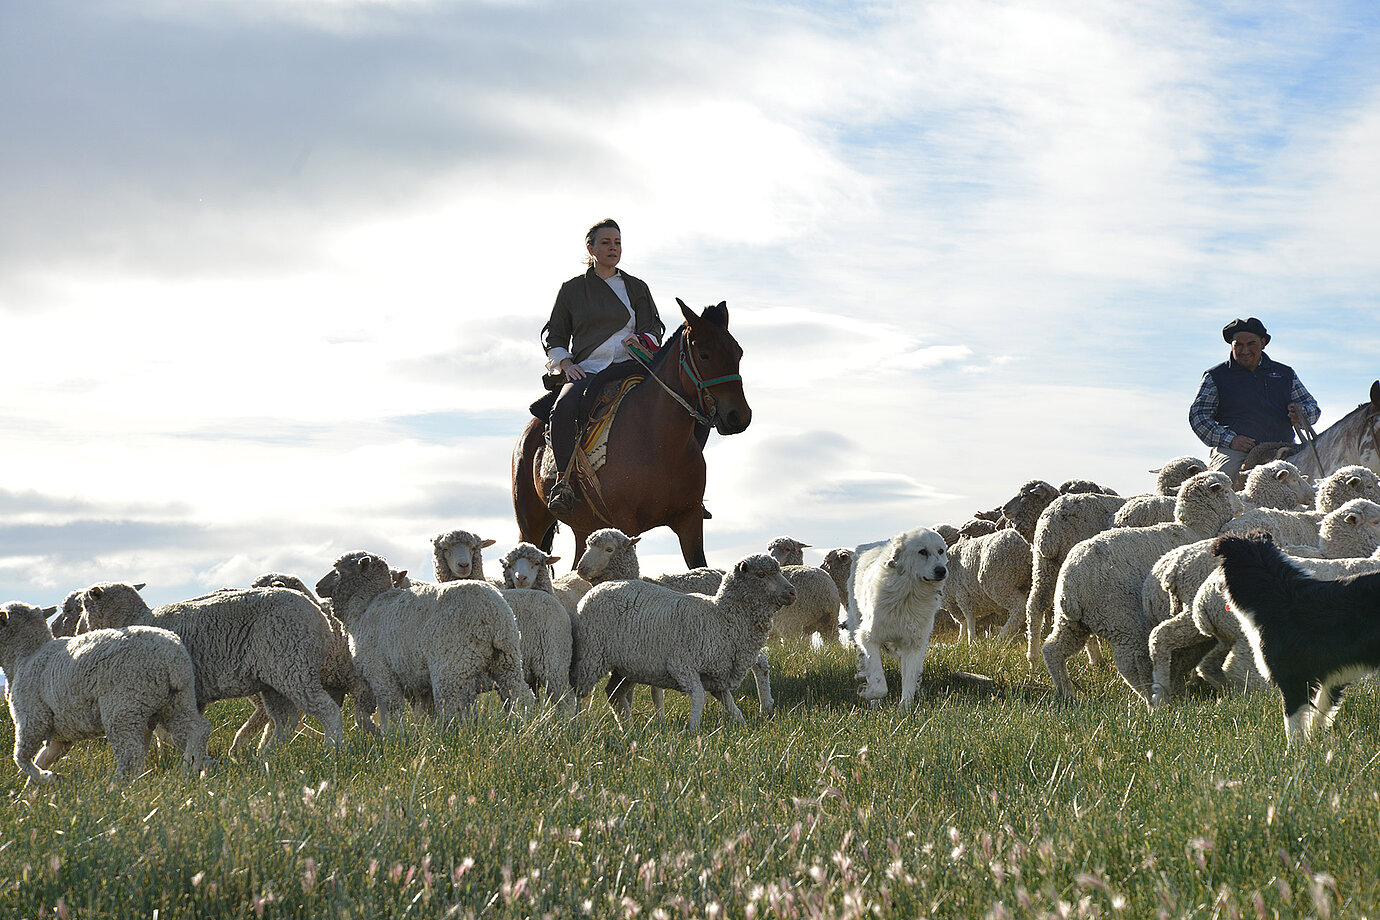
(596, 317)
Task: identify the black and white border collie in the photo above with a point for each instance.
(1311, 637)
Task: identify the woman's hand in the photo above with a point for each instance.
(572, 370)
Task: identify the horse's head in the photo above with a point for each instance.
(709, 366)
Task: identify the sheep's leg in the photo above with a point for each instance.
(454, 690)
(52, 752)
(1039, 606)
(620, 692)
(1211, 667)
(726, 697)
(1174, 633)
(254, 725)
(28, 739)
(1015, 620)
(870, 667)
(1094, 649)
(285, 717)
(188, 727)
(505, 667)
(912, 668)
(1065, 642)
(761, 675)
(125, 732)
(689, 683)
(365, 707)
(1132, 660)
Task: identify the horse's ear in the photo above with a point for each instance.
(691, 317)
(1375, 394)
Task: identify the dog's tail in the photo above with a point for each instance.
(1259, 576)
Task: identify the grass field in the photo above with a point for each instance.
(990, 802)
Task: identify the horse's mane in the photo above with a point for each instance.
(660, 357)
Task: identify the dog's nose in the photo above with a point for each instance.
(940, 572)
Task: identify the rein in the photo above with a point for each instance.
(707, 403)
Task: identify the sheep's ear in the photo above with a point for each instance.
(402, 573)
(141, 586)
(1351, 517)
(96, 592)
(1354, 482)
(366, 563)
(484, 543)
(1281, 475)
(633, 541)
(551, 560)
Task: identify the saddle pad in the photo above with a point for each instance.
(595, 440)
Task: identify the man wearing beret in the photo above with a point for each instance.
(1248, 399)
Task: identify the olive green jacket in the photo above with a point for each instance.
(587, 312)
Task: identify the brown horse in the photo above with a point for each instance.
(654, 471)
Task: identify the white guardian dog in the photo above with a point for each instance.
(894, 591)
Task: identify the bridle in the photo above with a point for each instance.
(704, 415)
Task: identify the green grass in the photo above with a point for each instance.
(982, 802)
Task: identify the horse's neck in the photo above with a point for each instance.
(674, 417)
(1346, 442)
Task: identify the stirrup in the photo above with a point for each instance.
(561, 499)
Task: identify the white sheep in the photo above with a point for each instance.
(787, 550)
(528, 566)
(815, 610)
(116, 683)
(459, 555)
(611, 555)
(427, 639)
(989, 576)
(693, 643)
(1301, 528)
(702, 580)
(1350, 533)
(1099, 588)
(270, 641)
(896, 589)
(1158, 506)
(338, 675)
(1069, 520)
(838, 562)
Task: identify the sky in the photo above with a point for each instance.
(272, 272)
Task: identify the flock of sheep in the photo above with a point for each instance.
(1133, 573)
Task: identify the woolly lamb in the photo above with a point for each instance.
(338, 676)
(433, 639)
(989, 576)
(653, 635)
(787, 551)
(896, 589)
(116, 683)
(611, 555)
(1099, 588)
(458, 555)
(68, 620)
(270, 641)
(1069, 520)
(815, 610)
(1023, 509)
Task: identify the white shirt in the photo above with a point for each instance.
(611, 350)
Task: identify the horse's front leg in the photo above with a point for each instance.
(689, 529)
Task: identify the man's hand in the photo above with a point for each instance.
(1242, 443)
(1296, 416)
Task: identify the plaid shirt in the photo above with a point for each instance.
(1202, 414)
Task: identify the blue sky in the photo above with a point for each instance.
(272, 273)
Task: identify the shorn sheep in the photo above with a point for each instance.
(270, 641)
(654, 635)
(1100, 584)
(896, 589)
(116, 683)
(427, 639)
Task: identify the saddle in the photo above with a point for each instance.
(598, 406)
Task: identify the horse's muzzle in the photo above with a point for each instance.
(732, 421)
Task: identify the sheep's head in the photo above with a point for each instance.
(281, 580)
(1023, 509)
(1345, 484)
(759, 576)
(1173, 474)
(1280, 484)
(353, 573)
(1351, 530)
(111, 605)
(458, 555)
(601, 549)
(949, 532)
(523, 566)
(1207, 495)
(20, 623)
(787, 551)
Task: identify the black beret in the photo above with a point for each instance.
(1252, 325)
